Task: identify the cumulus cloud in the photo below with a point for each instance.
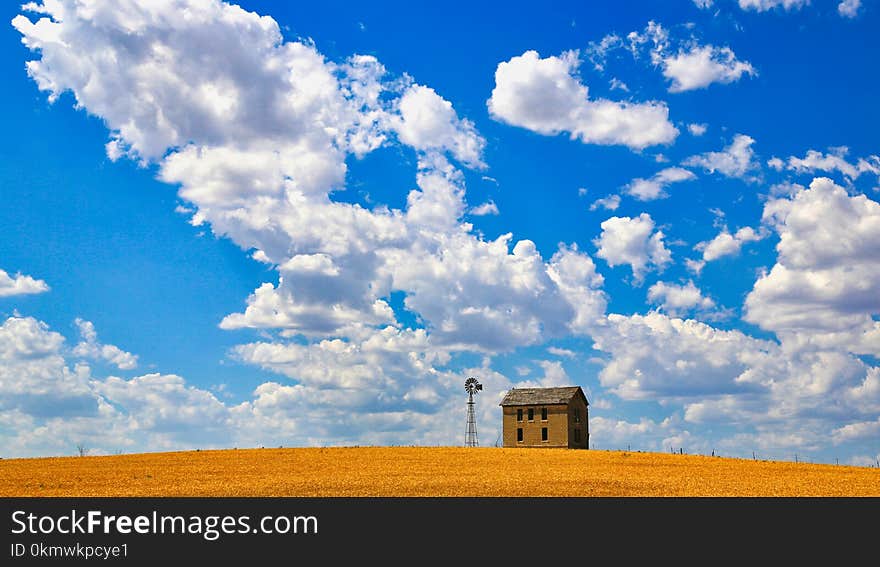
(678, 300)
(697, 129)
(427, 121)
(20, 284)
(90, 347)
(213, 126)
(49, 403)
(392, 390)
(701, 66)
(765, 5)
(655, 186)
(849, 8)
(618, 84)
(661, 357)
(546, 96)
(861, 430)
(609, 203)
(825, 285)
(33, 366)
(633, 241)
(778, 396)
(846, 8)
(727, 244)
(687, 63)
(487, 208)
(833, 161)
(736, 160)
(567, 353)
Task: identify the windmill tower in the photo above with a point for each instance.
(471, 386)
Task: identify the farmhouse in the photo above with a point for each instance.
(546, 417)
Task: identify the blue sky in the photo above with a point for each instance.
(272, 225)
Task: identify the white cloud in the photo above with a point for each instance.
(846, 8)
(765, 5)
(554, 374)
(777, 396)
(695, 266)
(727, 244)
(655, 186)
(685, 62)
(35, 379)
(703, 4)
(51, 405)
(701, 66)
(270, 188)
(855, 431)
(619, 85)
(677, 300)
(90, 347)
(697, 129)
(546, 96)
(567, 353)
(736, 160)
(633, 241)
(849, 8)
(775, 163)
(487, 208)
(581, 285)
(597, 51)
(785, 189)
(609, 203)
(834, 160)
(374, 363)
(658, 357)
(617, 434)
(428, 122)
(825, 285)
(20, 284)
(47, 407)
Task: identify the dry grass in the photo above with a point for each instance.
(426, 471)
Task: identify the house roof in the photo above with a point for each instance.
(538, 396)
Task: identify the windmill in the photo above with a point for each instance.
(471, 386)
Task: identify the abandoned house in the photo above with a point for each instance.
(546, 417)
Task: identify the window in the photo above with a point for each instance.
(543, 414)
(531, 414)
(519, 434)
(519, 414)
(577, 435)
(577, 416)
(543, 434)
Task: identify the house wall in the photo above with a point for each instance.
(560, 426)
(578, 404)
(557, 425)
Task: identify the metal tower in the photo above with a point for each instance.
(471, 386)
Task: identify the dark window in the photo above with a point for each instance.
(577, 416)
(543, 414)
(519, 414)
(543, 434)
(531, 414)
(519, 434)
(577, 435)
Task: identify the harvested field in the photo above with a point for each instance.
(427, 471)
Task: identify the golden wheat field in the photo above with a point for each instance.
(427, 471)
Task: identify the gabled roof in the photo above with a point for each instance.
(542, 396)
